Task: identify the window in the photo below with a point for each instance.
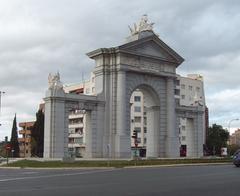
(145, 140)
(92, 79)
(183, 96)
(177, 82)
(137, 129)
(198, 89)
(87, 90)
(190, 88)
(79, 131)
(177, 92)
(137, 109)
(145, 129)
(177, 101)
(75, 121)
(137, 98)
(183, 128)
(79, 140)
(139, 140)
(137, 119)
(182, 86)
(93, 89)
(71, 130)
(183, 138)
(145, 120)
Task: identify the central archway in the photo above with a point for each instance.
(144, 120)
(155, 91)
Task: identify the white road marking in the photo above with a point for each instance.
(29, 172)
(56, 175)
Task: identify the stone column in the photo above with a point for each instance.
(123, 146)
(172, 136)
(153, 119)
(88, 131)
(198, 132)
(54, 125)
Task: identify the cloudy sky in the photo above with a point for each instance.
(39, 37)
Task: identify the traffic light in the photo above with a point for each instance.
(134, 136)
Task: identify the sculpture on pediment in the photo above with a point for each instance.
(143, 25)
(54, 81)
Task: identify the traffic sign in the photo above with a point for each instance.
(8, 147)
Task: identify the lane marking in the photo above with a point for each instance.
(56, 175)
(29, 172)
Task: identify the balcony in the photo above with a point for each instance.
(21, 132)
(75, 135)
(75, 115)
(77, 125)
(26, 140)
(76, 145)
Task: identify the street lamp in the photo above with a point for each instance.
(1, 93)
(229, 124)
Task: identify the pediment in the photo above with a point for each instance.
(152, 47)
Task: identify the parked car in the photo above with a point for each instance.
(236, 158)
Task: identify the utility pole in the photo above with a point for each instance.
(1, 93)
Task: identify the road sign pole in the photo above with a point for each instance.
(7, 156)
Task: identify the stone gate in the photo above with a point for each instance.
(145, 62)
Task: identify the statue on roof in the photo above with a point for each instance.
(143, 25)
(54, 81)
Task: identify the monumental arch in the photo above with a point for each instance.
(144, 62)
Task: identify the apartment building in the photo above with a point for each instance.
(77, 120)
(25, 139)
(138, 123)
(235, 138)
(189, 92)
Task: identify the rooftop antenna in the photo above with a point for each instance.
(83, 81)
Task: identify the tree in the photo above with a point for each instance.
(37, 137)
(14, 139)
(233, 148)
(216, 139)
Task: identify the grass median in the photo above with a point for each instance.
(112, 163)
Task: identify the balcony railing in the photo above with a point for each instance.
(75, 135)
(77, 125)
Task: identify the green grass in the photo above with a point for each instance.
(112, 163)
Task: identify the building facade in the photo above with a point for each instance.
(25, 139)
(189, 92)
(235, 138)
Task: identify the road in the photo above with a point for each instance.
(221, 180)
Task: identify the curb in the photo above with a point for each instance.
(177, 165)
(127, 167)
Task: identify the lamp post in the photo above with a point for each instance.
(1, 93)
(229, 124)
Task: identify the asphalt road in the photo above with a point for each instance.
(221, 180)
